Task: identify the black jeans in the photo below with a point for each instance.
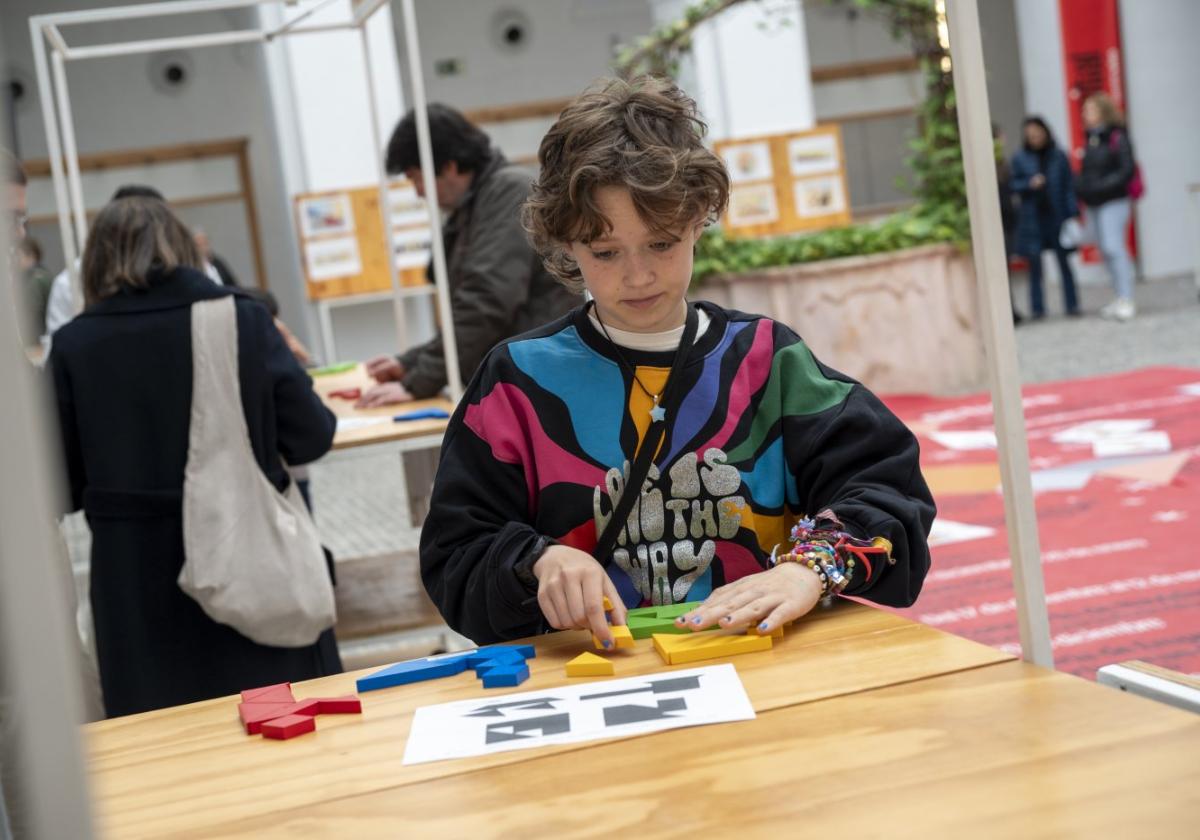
(1037, 301)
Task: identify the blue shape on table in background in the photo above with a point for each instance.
(422, 414)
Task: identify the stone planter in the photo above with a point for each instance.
(902, 322)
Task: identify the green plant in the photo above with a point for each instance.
(936, 177)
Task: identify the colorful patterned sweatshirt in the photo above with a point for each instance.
(542, 441)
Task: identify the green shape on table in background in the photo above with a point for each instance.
(644, 622)
(329, 370)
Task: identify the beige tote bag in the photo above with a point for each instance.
(252, 557)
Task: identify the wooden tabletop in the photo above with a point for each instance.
(868, 724)
(382, 432)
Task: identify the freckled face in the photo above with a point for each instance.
(638, 276)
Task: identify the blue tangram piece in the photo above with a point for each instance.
(504, 676)
(500, 653)
(413, 671)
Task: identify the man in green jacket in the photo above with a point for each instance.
(498, 286)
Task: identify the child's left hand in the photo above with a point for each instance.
(767, 600)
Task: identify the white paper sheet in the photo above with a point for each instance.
(966, 441)
(345, 424)
(577, 712)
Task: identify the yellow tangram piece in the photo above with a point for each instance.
(677, 650)
(622, 637)
(589, 665)
(777, 633)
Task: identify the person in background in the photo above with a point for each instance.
(37, 282)
(1105, 181)
(216, 268)
(1008, 206)
(60, 305)
(121, 374)
(498, 286)
(1041, 176)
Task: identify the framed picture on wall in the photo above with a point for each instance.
(748, 162)
(326, 214)
(819, 196)
(813, 155)
(327, 259)
(753, 204)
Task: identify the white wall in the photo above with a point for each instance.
(1162, 70)
(1039, 36)
(116, 106)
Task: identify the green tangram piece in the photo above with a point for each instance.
(329, 370)
(644, 622)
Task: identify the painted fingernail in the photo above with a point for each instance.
(764, 625)
(727, 619)
(607, 643)
(696, 620)
(681, 620)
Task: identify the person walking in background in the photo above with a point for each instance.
(37, 281)
(122, 374)
(1107, 183)
(1041, 177)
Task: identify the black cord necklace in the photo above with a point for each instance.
(657, 412)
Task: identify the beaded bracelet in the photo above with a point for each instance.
(822, 544)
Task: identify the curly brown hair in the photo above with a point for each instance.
(643, 134)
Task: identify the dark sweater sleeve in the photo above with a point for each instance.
(477, 528)
(861, 462)
(491, 282)
(305, 427)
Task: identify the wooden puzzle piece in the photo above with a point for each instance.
(622, 638)
(644, 622)
(590, 665)
(505, 676)
(278, 693)
(288, 726)
(254, 715)
(345, 705)
(413, 671)
(679, 650)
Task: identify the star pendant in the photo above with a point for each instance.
(658, 413)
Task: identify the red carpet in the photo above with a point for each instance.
(1116, 463)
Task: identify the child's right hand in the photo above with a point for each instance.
(571, 591)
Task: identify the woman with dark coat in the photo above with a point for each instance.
(123, 378)
(1106, 185)
(1042, 178)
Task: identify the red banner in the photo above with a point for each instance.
(1091, 36)
(1091, 39)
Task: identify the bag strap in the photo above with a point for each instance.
(655, 435)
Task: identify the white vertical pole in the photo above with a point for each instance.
(385, 208)
(53, 149)
(74, 185)
(987, 241)
(40, 752)
(425, 150)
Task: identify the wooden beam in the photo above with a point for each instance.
(881, 114)
(142, 157)
(864, 69)
(518, 111)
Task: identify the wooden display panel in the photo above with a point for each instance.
(345, 253)
(785, 183)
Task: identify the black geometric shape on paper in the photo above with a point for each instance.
(621, 715)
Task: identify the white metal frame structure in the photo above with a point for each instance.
(60, 128)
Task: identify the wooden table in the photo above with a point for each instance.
(416, 434)
(868, 725)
